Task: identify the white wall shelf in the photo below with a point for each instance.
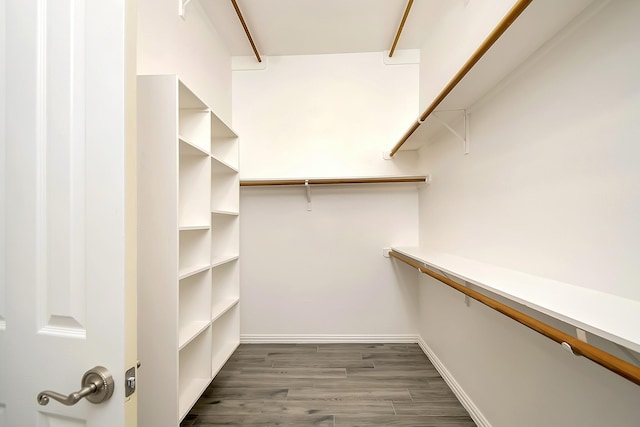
(605, 315)
(187, 254)
(191, 331)
(536, 25)
(186, 273)
(222, 167)
(219, 212)
(221, 307)
(223, 259)
(189, 148)
(195, 227)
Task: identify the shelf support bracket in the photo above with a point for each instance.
(464, 138)
(467, 299)
(308, 187)
(182, 8)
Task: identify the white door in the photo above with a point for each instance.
(67, 288)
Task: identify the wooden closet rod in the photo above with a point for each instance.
(256, 183)
(579, 348)
(404, 19)
(506, 22)
(246, 30)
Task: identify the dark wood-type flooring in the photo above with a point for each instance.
(328, 385)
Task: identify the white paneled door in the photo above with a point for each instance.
(67, 283)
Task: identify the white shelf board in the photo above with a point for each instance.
(190, 149)
(608, 316)
(535, 27)
(219, 129)
(222, 355)
(191, 331)
(223, 259)
(191, 394)
(223, 306)
(220, 166)
(194, 227)
(193, 270)
(187, 99)
(224, 212)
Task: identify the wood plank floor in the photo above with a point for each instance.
(328, 385)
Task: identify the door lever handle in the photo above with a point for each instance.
(97, 386)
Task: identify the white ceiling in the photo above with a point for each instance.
(299, 27)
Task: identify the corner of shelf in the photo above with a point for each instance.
(225, 212)
(222, 163)
(191, 149)
(223, 259)
(192, 271)
(223, 307)
(190, 395)
(191, 332)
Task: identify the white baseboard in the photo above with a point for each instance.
(466, 401)
(324, 339)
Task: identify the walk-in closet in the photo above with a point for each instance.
(469, 199)
(320, 213)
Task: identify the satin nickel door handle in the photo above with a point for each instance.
(97, 386)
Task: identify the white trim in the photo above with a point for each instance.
(402, 57)
(248, 63)
(324, 339)
(474, 412)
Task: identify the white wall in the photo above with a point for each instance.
(190, 48)
(550, 188)
(324, 115)
(322, 272)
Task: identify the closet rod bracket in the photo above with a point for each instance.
(182, 8)
(308, 188)
(463, 138)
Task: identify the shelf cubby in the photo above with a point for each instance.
(225, 187)
(225, 337)
(225, 287)
(224, 143)
(194, 119)
(194, 172)
(194, 371)
(225, 232)
(194, 313)
(193, 255)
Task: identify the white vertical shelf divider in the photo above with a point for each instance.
(225, 237)
(188, 273)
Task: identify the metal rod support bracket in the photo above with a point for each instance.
(182, 7)
(463, 138)
(467, 299)
(308, 187)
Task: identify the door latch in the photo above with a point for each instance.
(130, 382)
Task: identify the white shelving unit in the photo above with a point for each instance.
(538, 25)
(188, 250)
(605, 315)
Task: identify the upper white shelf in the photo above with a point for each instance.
(608, 316)
(538, 24)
